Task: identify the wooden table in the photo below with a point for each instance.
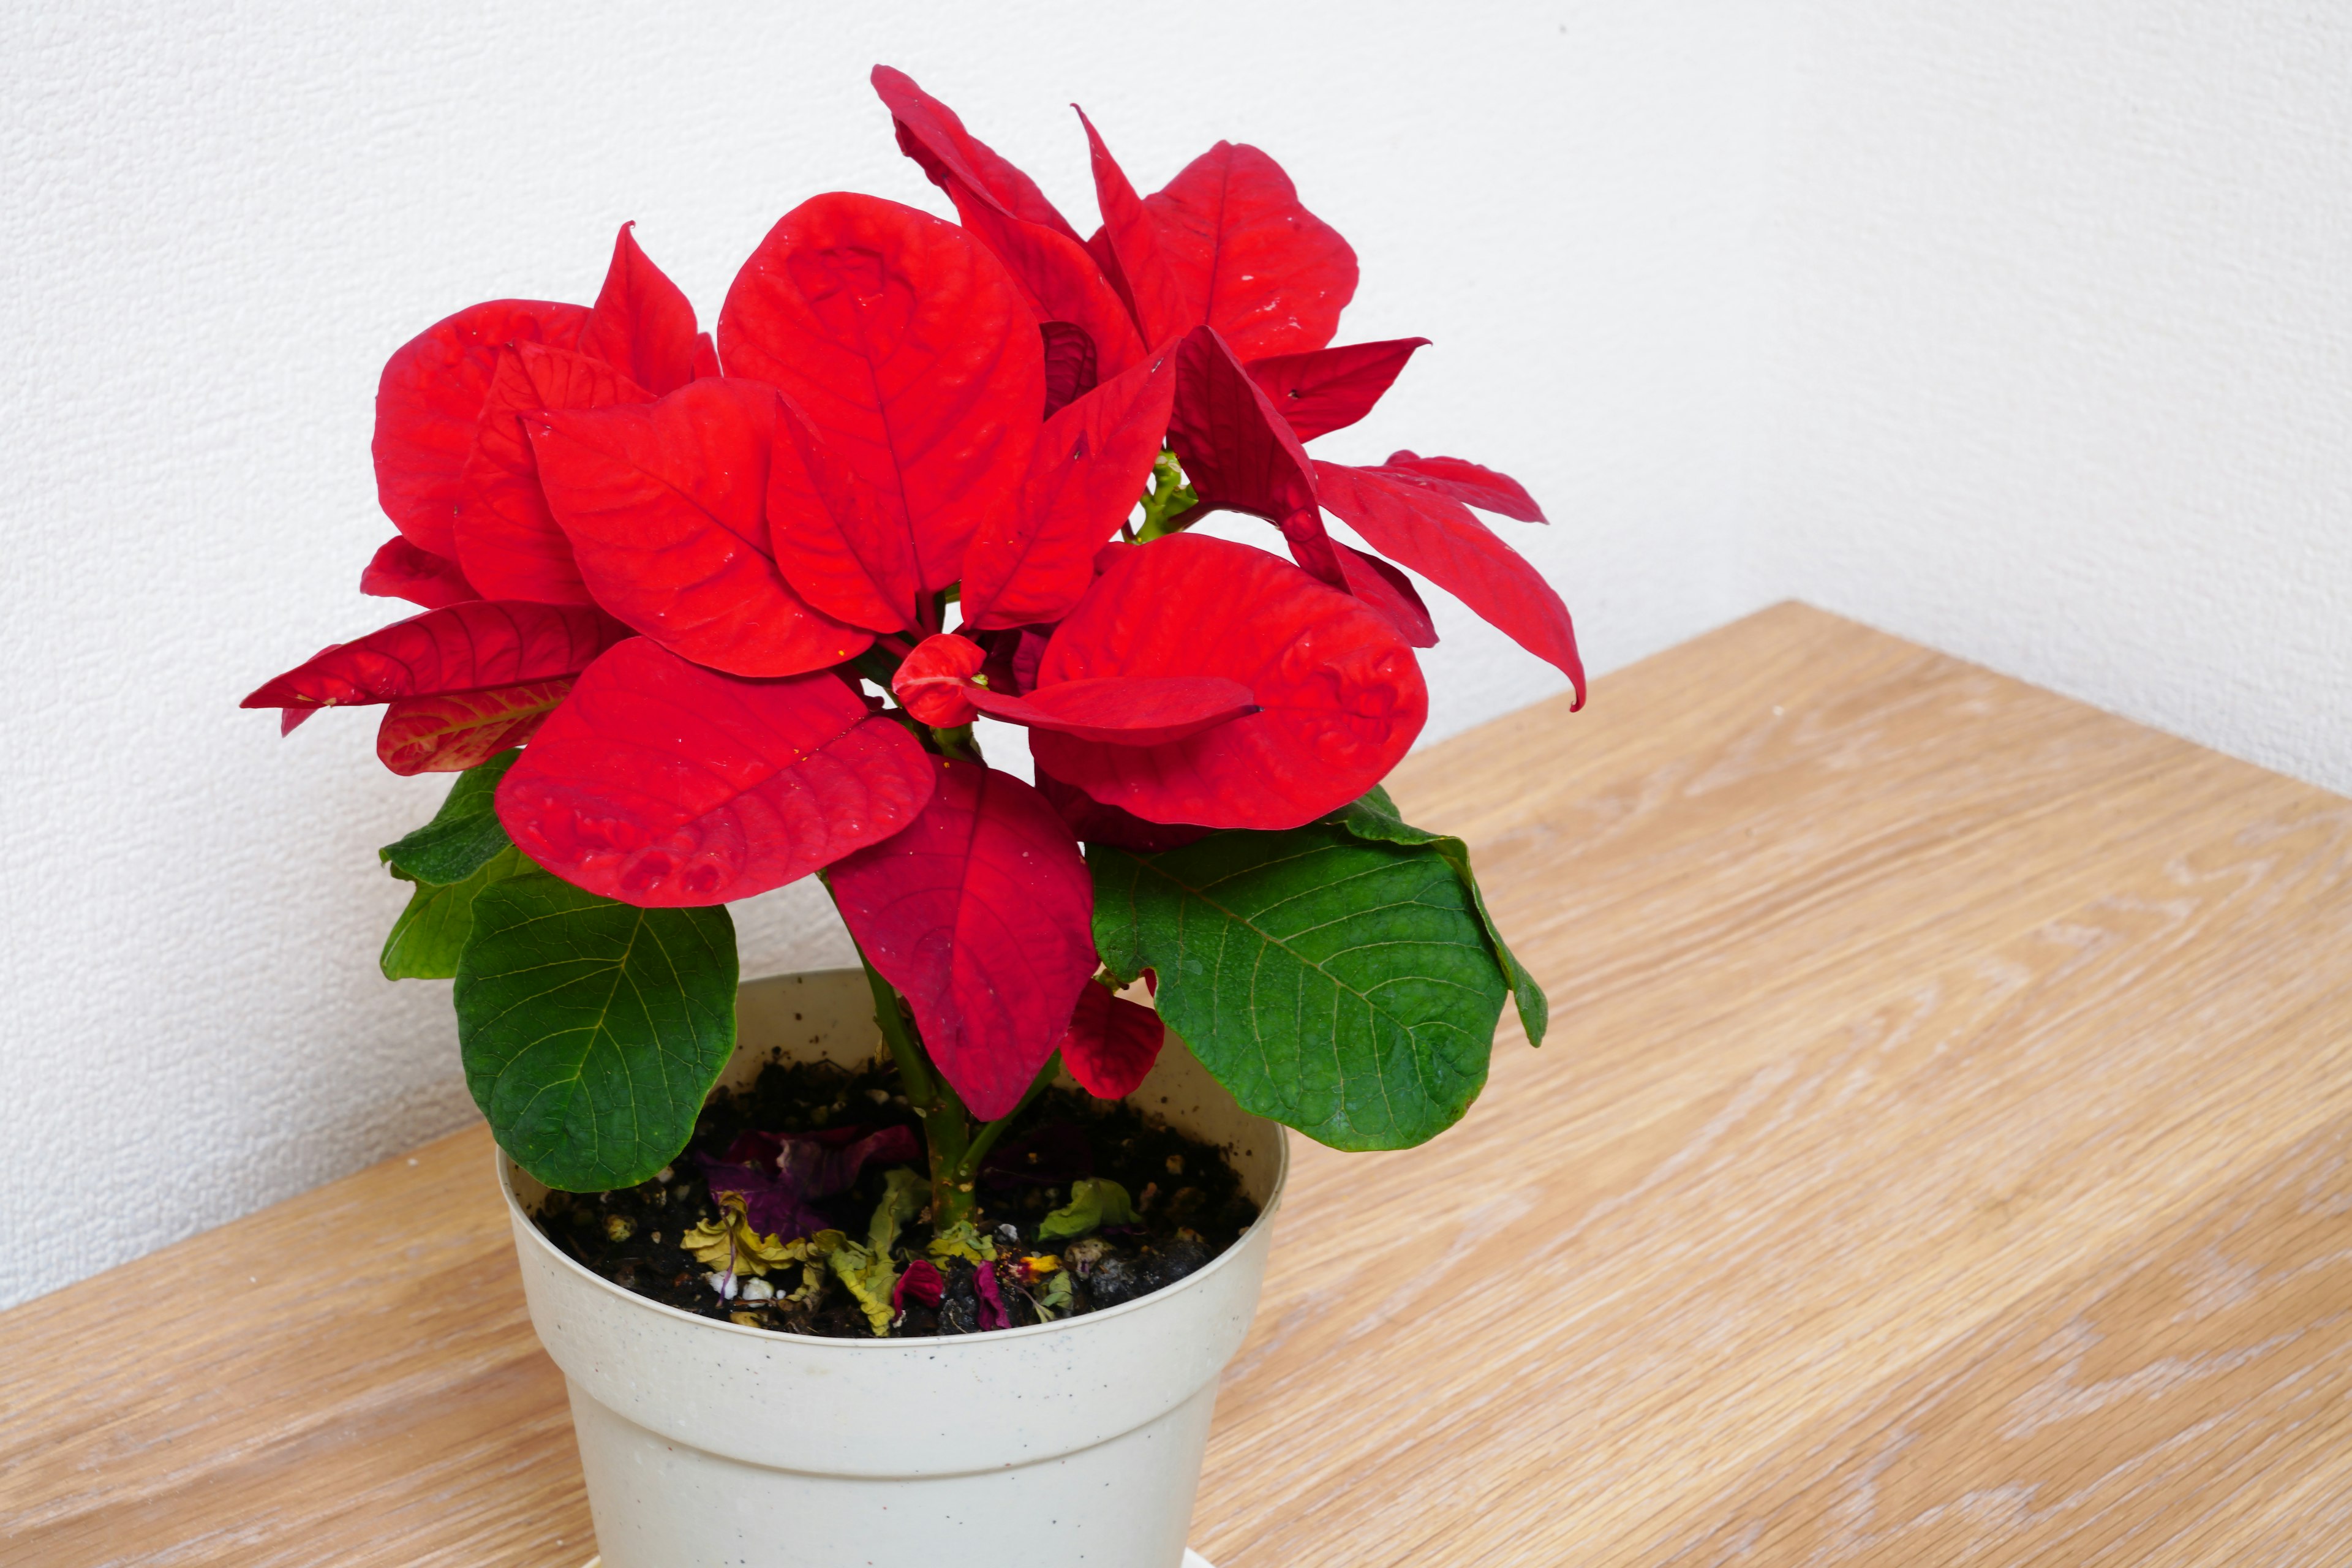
(1943, 1153)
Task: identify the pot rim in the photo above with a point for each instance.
(526, 1223)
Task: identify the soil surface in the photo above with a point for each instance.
(1188, 1201)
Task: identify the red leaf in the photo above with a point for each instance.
(505, 536)
(665, 506)
(1096, 823)
(470, 646)
(664, 785)
(1438, 537)
(1071, 370)
(1239, 454)
(1111, 1043)
(922, 1282)
(1123, 709)
(641, 324)
(1341, 698)
(1246, 258)
(458, 729)
(1330, 389)
(1464, 481)
(705, 356)
(990, 1303)
(1030, 561)
(1003, 206)
(1389, 592)
(932, 681)
(980, 914)
(430, 399)
(293, 719)
(823, 531)
(906, 344)
(1128, 249)
(401, 571)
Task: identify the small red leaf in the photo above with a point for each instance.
(920, 1283)
(641, 324)
(665, 506)
(1269, 275)
(1030, 561)
(1330, 389)
(909, 347)
(1339, 694)
(825, 534)
(458, 729)
(1389, 592)
(1071, 364)
(1464, 481)
(932, 681)
(293, 719)
(664, 785)
(505, 532)
(1096, 823)
(1056, 274)
(1122, 710)
(401, 571)
(980, 914)
(430, 399)
(1438, 537)
(1111, 1043)
(1239, 454)
(470, 646)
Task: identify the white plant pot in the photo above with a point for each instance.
(1078, 1442)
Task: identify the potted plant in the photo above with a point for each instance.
(701, 617)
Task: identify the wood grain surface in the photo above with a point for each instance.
(1943, 1154)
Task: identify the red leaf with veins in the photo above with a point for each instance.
(1438, 537)
(1330, 389)
(932, 681)
(1128, 249)
(1123, 709)
(664, 784)
(907, 346)
(430, 399)
(1030, 561)
(401, 571)
(1111, 1043)
(823, 532)
(1464, 481)
(1096, 823)
(1246, 258)
(458, 729)
(980, 914)
(1339, 694)
(1057, 276)
(505, 535)
(1071, 371)
(666, 506)
(1389, 592)
(641, 324)
(470, 646)
(1239, 454)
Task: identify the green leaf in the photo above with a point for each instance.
(1342, 986)
(592, 1030)
(462, 835)
(1376, 818)
(1094, 1204)
(431, 932)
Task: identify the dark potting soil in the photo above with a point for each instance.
(1187, 1201)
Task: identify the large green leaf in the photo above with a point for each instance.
(462, 835)
(1376, 818)
(431, 932)
(1342, 986)
(592, 1030)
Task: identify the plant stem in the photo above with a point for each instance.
(947, 1128)
(985, 1139)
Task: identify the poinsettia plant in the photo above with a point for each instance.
(703, 617)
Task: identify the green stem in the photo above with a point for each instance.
(985, 1139)
(957, 744)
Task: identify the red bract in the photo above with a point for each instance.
(1241, 456)
(1437, 537)
(430, 400)
(1330, 389)
(665, 506)
(825, 532)
(661, 784)
(1031, 561)
(932, 681)
(937, 685)
(470, 646)
(1391, 591)
(1464, 481)
(1111, 1043)
(980, 913)
(401, 571)
(911, 351)
(1340, 695)
(1096, 823)
(641, 324)
(458, 729)
(506, 539)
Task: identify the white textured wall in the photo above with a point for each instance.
(2056, 363)
(216, 221)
